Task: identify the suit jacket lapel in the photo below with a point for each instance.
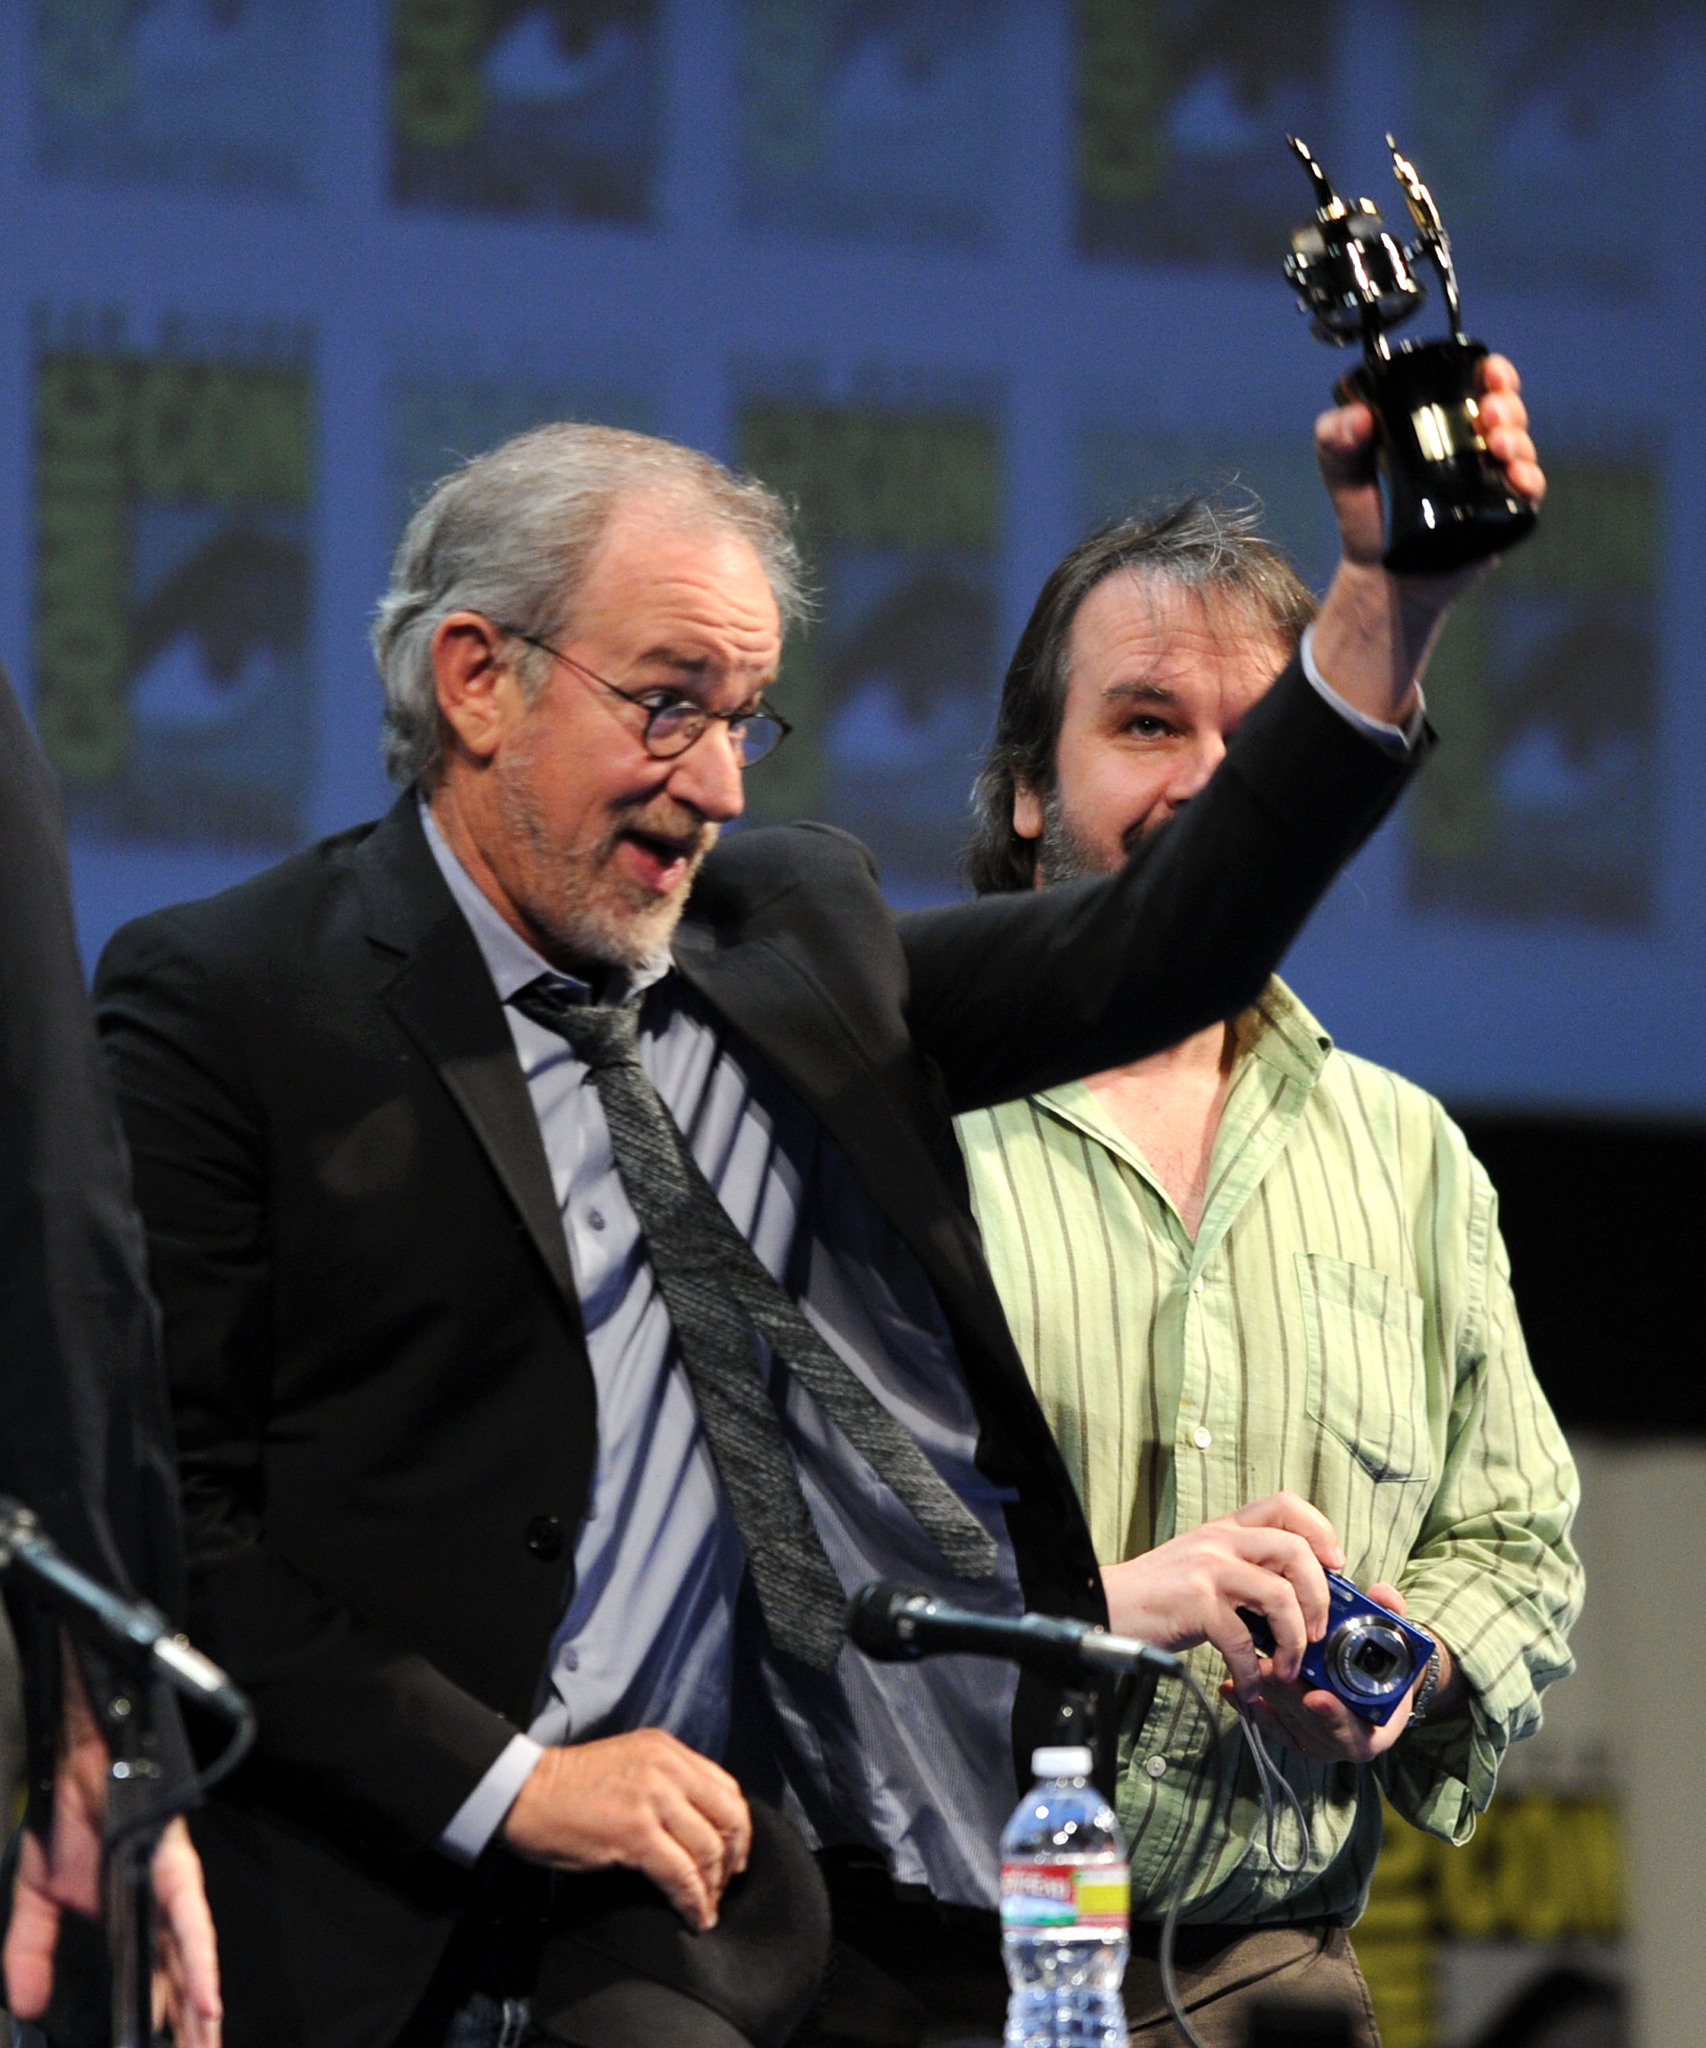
(443, 997)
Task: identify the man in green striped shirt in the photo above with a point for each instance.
(1259, 1288)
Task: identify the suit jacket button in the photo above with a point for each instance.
(545, 1537)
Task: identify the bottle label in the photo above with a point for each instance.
(1096, 1898)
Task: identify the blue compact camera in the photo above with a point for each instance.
(1369, 1657)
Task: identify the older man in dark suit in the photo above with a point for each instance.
(570, 1290)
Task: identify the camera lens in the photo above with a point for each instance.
(1368, 1659)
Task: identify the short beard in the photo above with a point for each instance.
(1063, 857)
(577, 898)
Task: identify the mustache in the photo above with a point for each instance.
(665, 822)
(664, 818)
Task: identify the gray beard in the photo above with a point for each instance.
(579, 901)
(1061, 855)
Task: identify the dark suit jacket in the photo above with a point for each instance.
(383, 1397)
(84, 1435)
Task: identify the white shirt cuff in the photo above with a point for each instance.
(1395, 739)
(482, 1813)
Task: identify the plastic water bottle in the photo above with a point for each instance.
(1065, 1910)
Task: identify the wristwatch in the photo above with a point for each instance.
(1424, 1693)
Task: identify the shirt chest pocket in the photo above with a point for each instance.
(1367, 1382)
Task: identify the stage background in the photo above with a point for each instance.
(966, 277)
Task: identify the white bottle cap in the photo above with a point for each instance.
(1061, 1763)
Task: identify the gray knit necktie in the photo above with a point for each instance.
(715, 1288)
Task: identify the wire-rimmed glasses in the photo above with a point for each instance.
(674, 722)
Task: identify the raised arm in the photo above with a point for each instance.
(1018, 992)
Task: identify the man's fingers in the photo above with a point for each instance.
(31, 1937)
(1344, 446)
(1272, 1598)
(705, 1844)
(1317, 1724)
(1243, 1659)
(719, 1798)
(1294, 1559)
(680, 1879)
(1505, 427)
(1498, 373)
(1350, 1735)
(1302, 1518)
(187, 1939)
(714, 1809)
(1387, 1596)
(644, 1802)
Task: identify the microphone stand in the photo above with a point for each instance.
(136, 1820)
(134, 1642)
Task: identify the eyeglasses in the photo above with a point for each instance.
(674, 722)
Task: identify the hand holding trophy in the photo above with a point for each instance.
(1447, 501)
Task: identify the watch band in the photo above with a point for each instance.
(1423, 1698)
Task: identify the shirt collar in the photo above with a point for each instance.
(1287, 1035)
(1277, 1029)
(511, 962)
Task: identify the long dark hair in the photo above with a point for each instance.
(1203, 546)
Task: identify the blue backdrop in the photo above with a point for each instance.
(965, 276)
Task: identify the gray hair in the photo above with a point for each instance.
(1198, 545)
(512, 533)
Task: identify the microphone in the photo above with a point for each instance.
(136, 1630)
(895, 1623)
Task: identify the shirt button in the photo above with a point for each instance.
(1155, 1767)
(1202, 1436)
(569, 1659)
(545, 1537)
(596, 1218)
(1196, 1285)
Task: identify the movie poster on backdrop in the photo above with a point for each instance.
(1515, 1934)
(172, 512)
(1544, 806)
(878, 119)
(1182, 106)
(209, 93)
(892, 686)
(445, 407)
(526, 107)
(1542, 129)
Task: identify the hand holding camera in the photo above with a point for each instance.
(1265, 1587)
(1320, 1715)
(1272, 1557)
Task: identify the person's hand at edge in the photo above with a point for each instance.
(1271, 1556)
(186, 1974)
(64, 1875)
(1376, 630)
(643, 1802)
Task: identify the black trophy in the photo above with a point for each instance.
(1447, 501)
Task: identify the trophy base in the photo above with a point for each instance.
(1448, 503)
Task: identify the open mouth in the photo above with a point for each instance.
(661, 864)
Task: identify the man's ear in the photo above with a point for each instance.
(1027, 809)
(475, 689)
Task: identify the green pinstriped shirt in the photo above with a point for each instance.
(1342, 1326)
